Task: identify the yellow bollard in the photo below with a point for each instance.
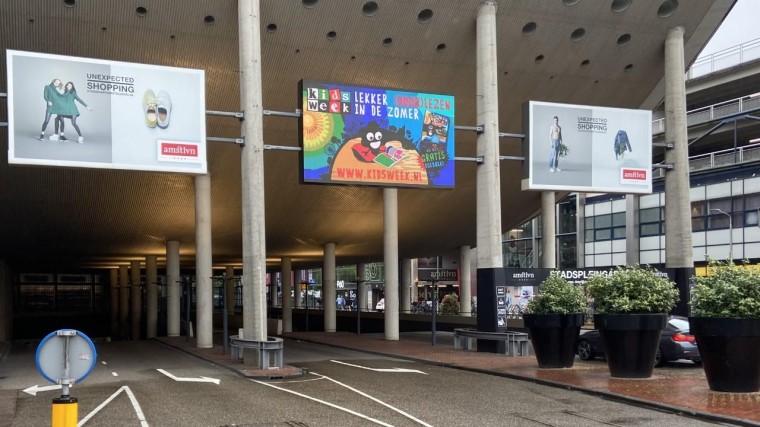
(65, 412)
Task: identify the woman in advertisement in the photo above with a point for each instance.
(53, 94)
(69, 110)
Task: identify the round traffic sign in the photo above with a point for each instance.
(65, 356)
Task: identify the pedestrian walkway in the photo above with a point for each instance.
(681, 387)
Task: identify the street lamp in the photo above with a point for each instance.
(730, 233)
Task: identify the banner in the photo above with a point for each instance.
(371, 136)
(587, 149)
(81, 112)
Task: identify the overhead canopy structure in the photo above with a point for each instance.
(606, 53)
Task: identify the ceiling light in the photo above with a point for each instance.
(624, 40)
(577, 34)
(667, 8)
(570, 2)
(69, 3)
(309, 4)
(370, 8)
(539, 59)
(387, 42)
(628, 68)
(620, 5)
(209, 20)
(271, 28)
(585, 63)
(529, 28)
(441, 47)
(425, 16)
(332, 35)
(141, 11)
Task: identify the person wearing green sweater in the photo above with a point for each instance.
(52, 94)
(68, 110)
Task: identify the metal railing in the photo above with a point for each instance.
(727, 157)
(725, 58)
(720, 110)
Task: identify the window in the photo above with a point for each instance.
(698, 216)
(718, 213)
(605, 227)
(751, 206)
(650, 222)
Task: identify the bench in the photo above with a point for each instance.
(517, 343)
(271, 347)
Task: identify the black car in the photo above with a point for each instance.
(675, 343)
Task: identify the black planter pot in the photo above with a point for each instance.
(553, 337)
(630, 342)
(730, 350)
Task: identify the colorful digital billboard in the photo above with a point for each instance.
(371, 136)
(587, 149)
(92, 113)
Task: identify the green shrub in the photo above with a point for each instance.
(450, 304)
(632, 289)
(557, 296)
(729, 290)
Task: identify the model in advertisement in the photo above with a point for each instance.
(555, 135)
(69, 110)
(52, 95)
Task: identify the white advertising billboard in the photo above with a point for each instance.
(587, 149)
(81, 112)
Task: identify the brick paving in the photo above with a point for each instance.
(680, 387)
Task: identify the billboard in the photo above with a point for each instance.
(81, 112)
(587, 149)
(371, 136)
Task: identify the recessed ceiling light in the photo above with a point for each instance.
(271, 28)
(628, 68)
(406, 63)
(570, 2)
(539, 59)
(425, 16)
(209, 20)
(624, 39)
(577, 34)
(441, 47)
(309, 4)
(387, 41)
(69, 3)
(332, 35)
(585, 63)
(353, 57)
(103, 29)
(370, 8)
(620, 5)
(667, 8)
(141, 11)
(529, 28)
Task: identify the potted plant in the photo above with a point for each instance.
(630, 313)
(725, 321)
(554, 318)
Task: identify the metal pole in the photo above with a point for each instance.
(306, 311)
(358, 308)
(225, 326)
(434, 291)
(188, 293)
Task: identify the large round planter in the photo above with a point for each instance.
(630, 342)
(553, 337)
(730, 350)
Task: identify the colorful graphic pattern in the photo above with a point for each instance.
(381, 137)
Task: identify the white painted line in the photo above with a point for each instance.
(399, 370)
(132, 399)
(33, 390)
(193, 380)
(332, 405)
(298, 381)
(374, 399)
(114, 374)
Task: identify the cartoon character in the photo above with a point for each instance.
(371, 144)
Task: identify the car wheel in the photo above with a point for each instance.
(584, 350)
(658, 359)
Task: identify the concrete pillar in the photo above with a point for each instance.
(465, 281)
(580, 226)
(230, 289)
(678, 245)
(204, 327)
(123, 302)
(114, 283)
(273, 290)
(287, 302)
(135, 306)
(298, 302)
(632, 254)
(361, 287)
(252, 172)
(406, 284)
(548, 230)
(151, 280)
(487, 110)
(390, 260)
(173, 291)
(6, 298)
(329, 287)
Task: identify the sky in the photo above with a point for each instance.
(740, 26)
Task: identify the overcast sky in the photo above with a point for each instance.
(740, 26)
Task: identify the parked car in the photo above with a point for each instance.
(675, 343)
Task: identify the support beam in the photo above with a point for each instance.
(173, 291)
(204, 327)
(329, 285)
(287, 301)
(390, 260)
(114, 282)
(123, 302)
(406, 284)
(151, 280)
(548, 230)
(465, 281)
(135, 309)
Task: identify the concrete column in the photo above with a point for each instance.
(114, 283)
(173, 290)
(297, 289)
(390, 260)
(329, 287)
(465, 281)
(361, 288)
(678, 245)
(204, 328)
(580, 226)
(151, 279)
(135, 306)
(6, 298)
(273, 290)
(632, 254)
(287, 302)
(487, 109)
(252, 172)
(123, 302)
(230, 289)
(406, 284)
(548, 230)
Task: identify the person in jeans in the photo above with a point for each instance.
(555, 134)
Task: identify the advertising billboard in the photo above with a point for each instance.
(81, 112)
(371, 136)
(587, 149)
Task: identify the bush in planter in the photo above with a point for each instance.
(450, 304)
(726, 323)
(554, 318)
(630, 306)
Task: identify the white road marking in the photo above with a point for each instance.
(325, 403)
(135, 405)
(33, 390)
(298, 381)
(114, 374)
(194, 380)
(374, 399)
(399, 370)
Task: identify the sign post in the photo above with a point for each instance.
(65, 357)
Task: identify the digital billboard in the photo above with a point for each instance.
(372, 136)
(81, 112)
(587, 149)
